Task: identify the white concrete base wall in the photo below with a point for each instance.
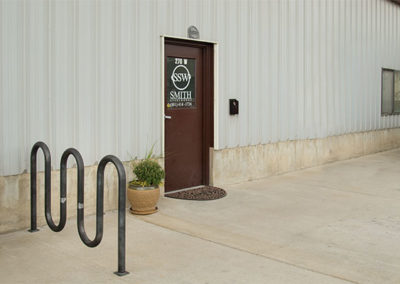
(229, 166)
(15, 196)
(255, 162)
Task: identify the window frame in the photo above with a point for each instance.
(393, 93)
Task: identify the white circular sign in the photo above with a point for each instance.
(181, 77)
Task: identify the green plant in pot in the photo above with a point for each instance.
(144, 191)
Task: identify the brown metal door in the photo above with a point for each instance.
(185, 143)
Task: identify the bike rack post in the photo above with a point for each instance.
(121, 206)
(47, 191)
(80, 200)
(47, 166)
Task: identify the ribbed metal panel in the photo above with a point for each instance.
(87, 74)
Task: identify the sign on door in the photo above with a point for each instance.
(181, 83)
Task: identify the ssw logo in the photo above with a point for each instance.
(181, 77)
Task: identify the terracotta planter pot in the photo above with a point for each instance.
(143, 199)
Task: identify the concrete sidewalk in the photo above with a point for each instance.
(338, 223)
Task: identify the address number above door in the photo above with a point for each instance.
(181, 83)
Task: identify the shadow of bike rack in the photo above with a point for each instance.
(80, 214)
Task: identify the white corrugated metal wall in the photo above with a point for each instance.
(87, 73)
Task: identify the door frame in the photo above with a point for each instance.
(210, 106)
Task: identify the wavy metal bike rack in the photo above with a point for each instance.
(80, 210)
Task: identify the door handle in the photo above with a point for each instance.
(168, 117)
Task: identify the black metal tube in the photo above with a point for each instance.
(80, 208)
(47, 180)
(121, 206)
(34, 150)
(47, 190)
(80, 198)
(80, 195)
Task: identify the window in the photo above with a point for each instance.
(390, 92)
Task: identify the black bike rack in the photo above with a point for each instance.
(80, 210)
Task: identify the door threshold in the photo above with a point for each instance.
(184, 189)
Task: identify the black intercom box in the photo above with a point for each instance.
(233, 106)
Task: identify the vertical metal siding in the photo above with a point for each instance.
(87, 74)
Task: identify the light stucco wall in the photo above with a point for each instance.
(260, 161)
(15, 196)
(228, 166)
